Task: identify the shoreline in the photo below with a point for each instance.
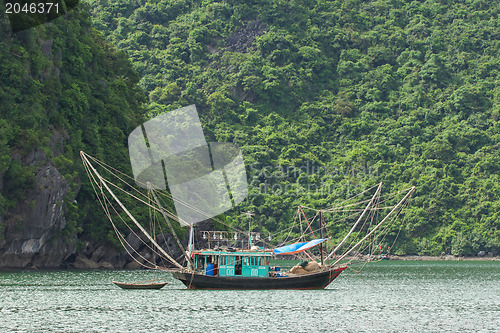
(447, 257)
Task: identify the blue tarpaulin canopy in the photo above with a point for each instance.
(298, 247)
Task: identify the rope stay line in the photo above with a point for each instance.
(104, 204)
(165, 217)
(168, 195)
(407, 196)
(104, 183)
(357, 222)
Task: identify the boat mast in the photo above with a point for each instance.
(103, 182)
(162, 210)
(190, 247)
(376, 227)
(355, 224)
(249, 214)
(321, 221)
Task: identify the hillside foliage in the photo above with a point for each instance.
(327, 98)
(63, 80)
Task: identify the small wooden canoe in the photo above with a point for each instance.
(140, 285)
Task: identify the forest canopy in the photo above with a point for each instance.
(64, 88)
(400, 92)
(325, 99)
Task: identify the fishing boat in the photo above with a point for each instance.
(204, 180)
(247, 266)
(138, 285)
(247, 269)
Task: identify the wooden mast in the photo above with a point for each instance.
(190, 247)
(162, 210)
(321, 221)
(376, 227)
(357, 222)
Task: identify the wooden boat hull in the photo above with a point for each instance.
(317, 280)
(140, 285)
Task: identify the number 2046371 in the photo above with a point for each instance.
(32, 8)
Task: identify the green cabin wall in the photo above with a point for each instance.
(254, 265)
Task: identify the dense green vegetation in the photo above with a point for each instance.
(401, 92)
(63, 89)
(326, 98)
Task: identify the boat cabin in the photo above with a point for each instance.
(237, 263)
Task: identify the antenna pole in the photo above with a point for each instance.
(249, 214)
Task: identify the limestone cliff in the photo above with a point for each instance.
(32, 228)
(63, 89)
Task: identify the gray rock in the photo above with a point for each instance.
(105, 265)
(12, 260)
(32, 229)
(114, 257)
(136, 243)
(88, 248)
(244, 38)
(32, 235)
(133, 265)
(98, 254)
(82, 262)
(46, 46)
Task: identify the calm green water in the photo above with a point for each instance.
(390, 296)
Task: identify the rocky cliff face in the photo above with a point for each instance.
(32, 235)
(63, 89)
